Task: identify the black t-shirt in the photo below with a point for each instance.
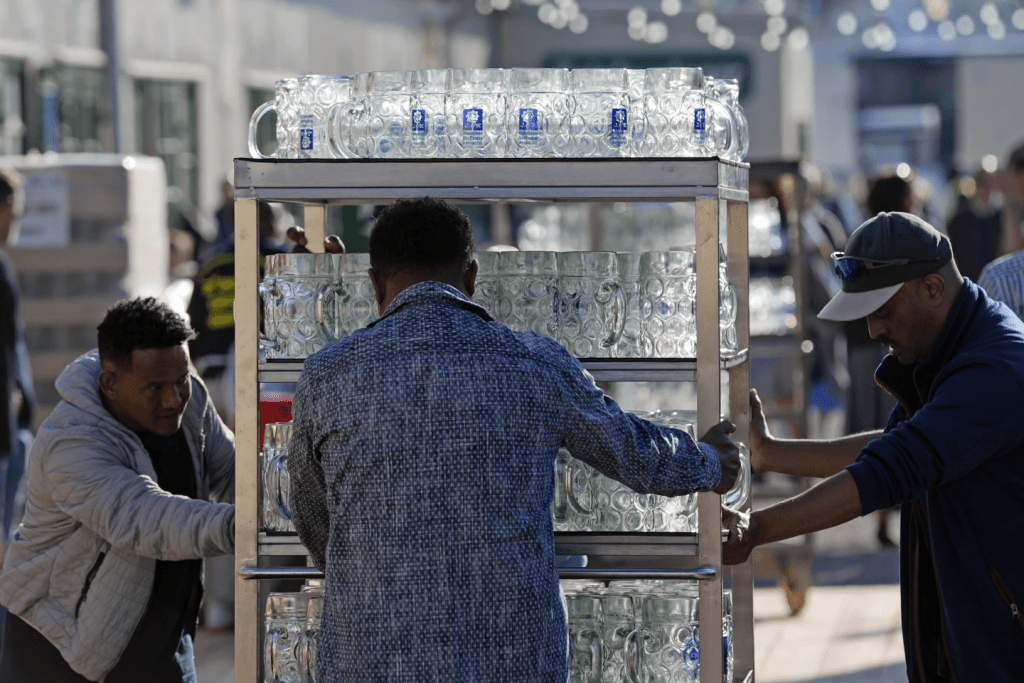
(160, 649)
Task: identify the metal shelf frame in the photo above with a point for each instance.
(719, 189)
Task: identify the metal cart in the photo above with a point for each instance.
(788, 562)
(719, 189)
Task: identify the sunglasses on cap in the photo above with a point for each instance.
(851, 268)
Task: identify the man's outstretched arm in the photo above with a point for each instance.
(831, 503)
(800, 457)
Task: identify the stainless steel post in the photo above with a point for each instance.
(739, 412)
(248, 645)
(709, 410)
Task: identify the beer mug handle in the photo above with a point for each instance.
(278, 484)
(619, 316)
(336, 139)
(633, 654)
(570, 497)
(560, 505)
(326, 299)
(595, 658)
(270, 655)
(254, 148)
(266, 339)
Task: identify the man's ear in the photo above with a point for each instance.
(469, 277)
(935, 288)
(108, 382)
(379, 288)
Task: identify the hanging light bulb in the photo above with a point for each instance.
(965, 25)
(947, 31)
(774, 7)
(770, 41)
(918, 20)
(671, 7)
(547, 13)
(637, 17)
(938, 10)
(799, 38)
(657, 32)
(706, 21)
(989, 13)
(997, 31)
(579, 24)
(484, 7)
(569, 12)
(868, 38)
(846, 22)
(1018, 19)
(777, 25)
(880, 5)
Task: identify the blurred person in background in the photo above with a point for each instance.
(1003, 279)
(130, 484)
(17, 398)
(211, 312)
(822, 233)
(974, 229)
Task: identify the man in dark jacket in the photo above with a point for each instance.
(952, 453)
(16, 395)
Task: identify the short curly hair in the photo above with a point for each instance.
(420, 233)
(140, 323)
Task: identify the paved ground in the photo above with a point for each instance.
(847, 632)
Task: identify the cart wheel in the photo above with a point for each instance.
(795, 583)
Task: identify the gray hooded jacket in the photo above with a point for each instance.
(80, 568)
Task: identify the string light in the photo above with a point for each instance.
(770, 41)
(706, 21)
(918, 20)
(846, 22)
(778, 25)
(965, 25)
(671, 7)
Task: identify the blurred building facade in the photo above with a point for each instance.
(846, 85)
(191, 73)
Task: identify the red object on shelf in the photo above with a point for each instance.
(275, 406)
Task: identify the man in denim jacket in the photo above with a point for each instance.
(952, 453)
(422, 463)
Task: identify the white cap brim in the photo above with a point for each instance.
(856, 305)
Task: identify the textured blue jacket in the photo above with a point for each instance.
(953, 455)
(422, 461)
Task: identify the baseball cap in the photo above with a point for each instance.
(882, 254)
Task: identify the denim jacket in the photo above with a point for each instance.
(422, 462)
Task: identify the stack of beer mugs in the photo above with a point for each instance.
(507, 113)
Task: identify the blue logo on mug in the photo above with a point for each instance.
(698, 119)
(619, 120)
(473, 119)
(306, 139)
(419, 122)
(528, 119)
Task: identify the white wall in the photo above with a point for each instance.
(990, 108)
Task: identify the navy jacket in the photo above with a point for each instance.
(953, 455)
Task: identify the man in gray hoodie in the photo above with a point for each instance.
(103, 579)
